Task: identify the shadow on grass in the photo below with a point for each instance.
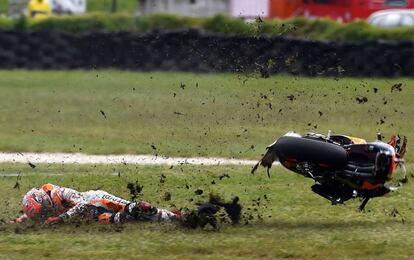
(315, 224)
(85, 227)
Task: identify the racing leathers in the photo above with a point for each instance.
(52, 203)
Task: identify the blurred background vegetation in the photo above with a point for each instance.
(298, 27)
(105, 6)
(99, 16)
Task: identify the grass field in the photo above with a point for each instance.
(288, 222)
(182, 114)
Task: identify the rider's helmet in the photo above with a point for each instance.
(36, 204)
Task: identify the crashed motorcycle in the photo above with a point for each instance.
(342, 167)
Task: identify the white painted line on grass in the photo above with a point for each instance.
(79, 158)
(16, 174)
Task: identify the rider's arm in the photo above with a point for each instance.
(72, 198)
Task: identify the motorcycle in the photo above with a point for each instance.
(342, 167)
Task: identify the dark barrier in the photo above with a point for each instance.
(203, 52)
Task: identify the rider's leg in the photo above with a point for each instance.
(105, 200)
(128, 211)
(145, 211)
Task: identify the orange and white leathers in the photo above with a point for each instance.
(67, 203)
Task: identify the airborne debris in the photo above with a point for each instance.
(394, 213)
(396, 87)
(199, 192)
(361, 99)
(209, 213)
(103, 113)
(224, 175)
(31, 165)
(167, 196)
(17, 185)
(233, 208)
(162, 178)
(134, 189)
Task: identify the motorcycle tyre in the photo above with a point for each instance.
(309, 150)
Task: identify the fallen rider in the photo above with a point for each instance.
(54, 204)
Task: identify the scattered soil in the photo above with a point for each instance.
(396, 87)
(167, 196)
(361, 99)
(135, 189)
(103, 113)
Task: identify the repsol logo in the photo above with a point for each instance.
(114, 199)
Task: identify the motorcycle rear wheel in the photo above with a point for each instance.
(309, 150)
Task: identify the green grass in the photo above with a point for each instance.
(292, 223)
(218, 115)
(210, 115)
